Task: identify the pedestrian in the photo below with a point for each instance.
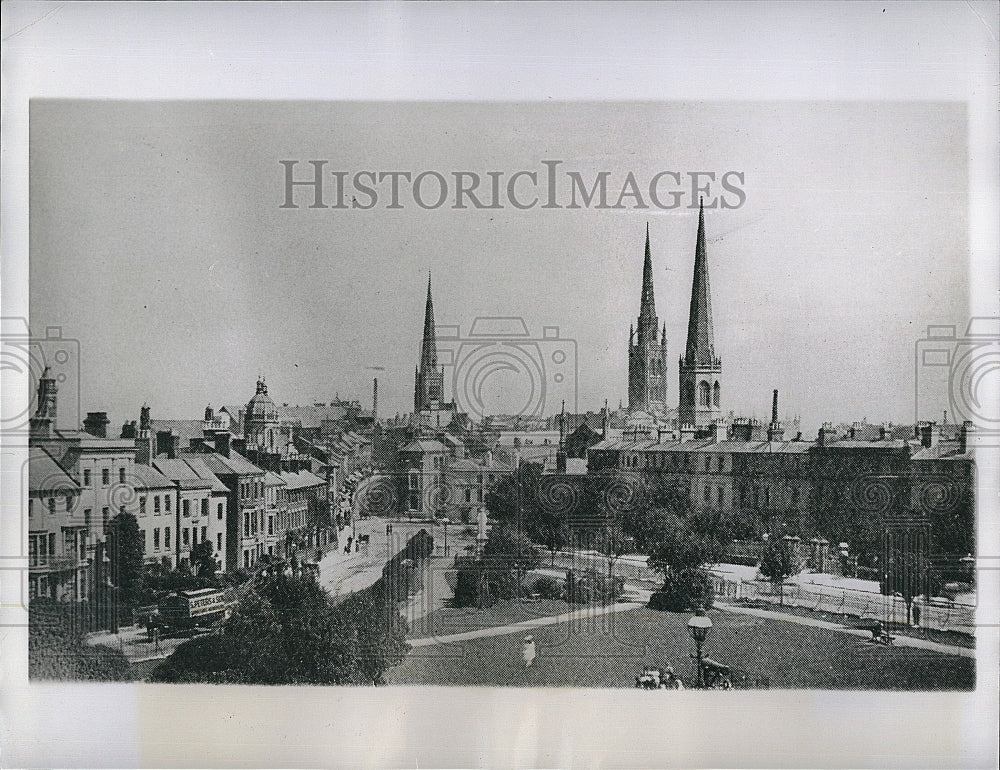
(916, 615)
(528, 651)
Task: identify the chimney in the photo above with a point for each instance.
(209, 413)
(774, 407)
(222, 439)
(375, 398)
(96, 424)
(774, 430)
(166, 444)
(929, 434)
(144, 421)
(963, 436)
(687, 433)
(129, 430)
(717, 431)
(827, 435)
(606, 421)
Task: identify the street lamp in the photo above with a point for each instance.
(388, 540)
(699, 627)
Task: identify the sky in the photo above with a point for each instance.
(158, 241)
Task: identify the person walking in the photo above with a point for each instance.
(528, 651)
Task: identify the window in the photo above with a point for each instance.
(246, 525)
(105, 517)
(52, 505)
(708, 464)
(720, 495)
(218, 542)
(86, 517)
(220, 511)
(166, 503)
(716, 391)
(105, 477)
(204, 534)
(69, 502)
(721, 464)
(204, 507)
(468, 495)
(187, 507)
(81, 540)
(708, 494)
(86, 478)
(121, 475)
(69, 542)
(156, 503)
(704, 394)
(52, 543)
(156, 539)
(142, 506)
(166, 537)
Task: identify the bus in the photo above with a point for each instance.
(191, 609)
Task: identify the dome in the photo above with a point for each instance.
(261, 406)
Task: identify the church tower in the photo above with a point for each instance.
(700, 369)
(647, 350)
(428, 386)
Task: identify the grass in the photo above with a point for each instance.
(457, 620)
(609, 651)
(953, 638)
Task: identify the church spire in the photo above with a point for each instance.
(700, 338)
(428, 348)
(647, 306)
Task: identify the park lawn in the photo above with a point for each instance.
(456, 620)
(610, 650)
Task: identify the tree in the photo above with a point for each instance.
(287, 630)
(682, 549)
(203, 560)
(776, 565)
(125, 546)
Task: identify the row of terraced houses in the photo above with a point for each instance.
(253, 482)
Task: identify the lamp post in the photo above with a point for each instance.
(388, 540)
(699, 627)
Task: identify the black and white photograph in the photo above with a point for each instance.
(561, 398)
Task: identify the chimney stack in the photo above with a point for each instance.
(774, 430)
(774, 407)
(209, 413)
(375, 398)
(687, 433)
(96, 424)
(929, 434)
(963, 436)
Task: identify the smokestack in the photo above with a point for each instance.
(774, 430)
(963, 436)
(375, 399)
(774, 408)
(606, 422)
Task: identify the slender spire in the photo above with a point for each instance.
(428, 349)
(647, 306)
(700, 338)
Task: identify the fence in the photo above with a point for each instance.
(937, 614)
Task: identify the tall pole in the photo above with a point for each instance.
(697, 653)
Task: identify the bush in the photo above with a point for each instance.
(548, 588)
(591, 587)
(684, 591)
(56, 649)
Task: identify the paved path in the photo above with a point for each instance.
(900, 639)
(525, 625)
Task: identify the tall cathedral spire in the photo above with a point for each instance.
(647, 305)
(700, 347)
(428, 348)
(428, 384)
(700, 370)
(647, 366)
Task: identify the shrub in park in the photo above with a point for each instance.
(684, 590)
(548, 588)
(57, 650)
